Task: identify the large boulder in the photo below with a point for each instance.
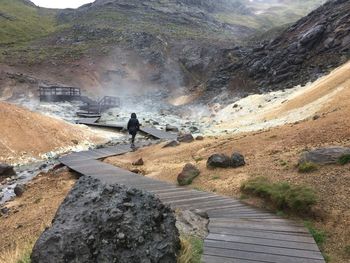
(328, 155)
(189, 172)
(109, 223)
(219, 161)
(6, 171)
(237, 160)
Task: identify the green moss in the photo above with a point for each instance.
(307, 167)
(345, 159)
(283, 196)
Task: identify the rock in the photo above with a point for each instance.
(193, 129)
(219, 160)
(185, 138)
(329, 155)
(109, 223)
(192, 223)
(138, 162)
(19, 189)
(237, 160)
(199, 138)
(155, 123)
(6, 171)
(170, 128)
(316, 117)
(171, 144)
(136, 171)
(189, 172)
(76, 142)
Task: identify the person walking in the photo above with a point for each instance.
(133, 128)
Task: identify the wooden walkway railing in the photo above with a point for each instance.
(238, 233)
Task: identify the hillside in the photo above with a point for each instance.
(26, 136)
(273, 153)
(303, 52)
(164, 44)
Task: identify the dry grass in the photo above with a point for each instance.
(20, 253)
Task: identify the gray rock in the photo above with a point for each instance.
(109, 223)
(171, 144)
(139, 162)
(6, 171)
(185, 138)
(237, 160)
(189, 172)
(219, 161)
(170, 128)
(329, 155)
(19, 189)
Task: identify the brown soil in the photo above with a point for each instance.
(31, 213)
(273, 154)
(25, 134)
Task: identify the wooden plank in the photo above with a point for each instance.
(261, 234)
(254, 225)
(263, 249)
(260, 257)
(159, 134)
(185, 196)
(219, 259)
(263, 242)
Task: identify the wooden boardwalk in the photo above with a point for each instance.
(238, 233)
(154, 132)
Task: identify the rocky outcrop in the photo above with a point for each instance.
(109, 223)
(328, 155)
(189, 172)
(302, 53)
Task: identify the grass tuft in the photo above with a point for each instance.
(307, 167)
(283, 196)
(319, 235)
(191, 250)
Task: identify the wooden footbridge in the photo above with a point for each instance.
(238, 233)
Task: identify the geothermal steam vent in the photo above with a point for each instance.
(109, 223)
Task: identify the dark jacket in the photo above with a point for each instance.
(133, 124)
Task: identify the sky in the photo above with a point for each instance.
(61, 3)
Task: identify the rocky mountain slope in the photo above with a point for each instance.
(303, 52)
(116, 45)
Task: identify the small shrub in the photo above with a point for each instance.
(307, 167)
(215, 177)
(319, 235)
(345, 159)
(191, 250)
(347, 251)
(283, 196)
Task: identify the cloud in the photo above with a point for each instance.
(61, 3)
